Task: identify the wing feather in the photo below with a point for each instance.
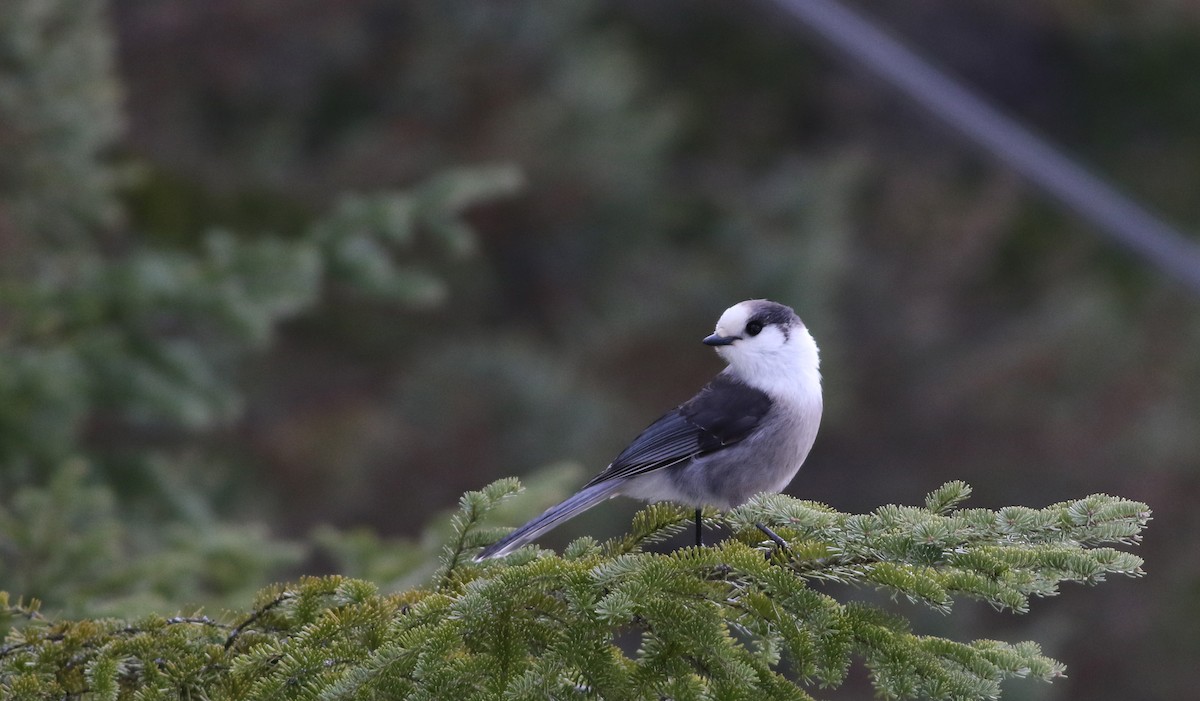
(723, 413)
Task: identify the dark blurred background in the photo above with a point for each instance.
(280, 280)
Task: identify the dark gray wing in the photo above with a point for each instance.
(723, 413)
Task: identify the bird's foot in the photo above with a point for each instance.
(773, 536)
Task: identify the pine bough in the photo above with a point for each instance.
(743, 619)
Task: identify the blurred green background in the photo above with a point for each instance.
(280, 280)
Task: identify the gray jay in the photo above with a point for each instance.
(747, 431)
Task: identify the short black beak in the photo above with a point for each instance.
(715, 340)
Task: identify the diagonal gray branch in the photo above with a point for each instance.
(1091, 197)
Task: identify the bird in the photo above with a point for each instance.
(747, 431)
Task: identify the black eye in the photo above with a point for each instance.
(753, 328)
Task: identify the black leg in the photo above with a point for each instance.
(773, 536)
(699, 529)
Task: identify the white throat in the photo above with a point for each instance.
(791, 372)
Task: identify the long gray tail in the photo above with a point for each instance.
(582, 500)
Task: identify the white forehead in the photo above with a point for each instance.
(734, 319)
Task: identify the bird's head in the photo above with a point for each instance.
(766, 345)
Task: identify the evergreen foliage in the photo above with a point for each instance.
(150, 342)
(58, 115)
(119, 355)
(739, 620)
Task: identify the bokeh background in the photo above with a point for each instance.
(280, 280)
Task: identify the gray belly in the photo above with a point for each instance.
(765, 462)
(731, 477)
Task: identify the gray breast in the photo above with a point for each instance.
(765, 461)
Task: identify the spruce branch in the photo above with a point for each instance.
(947, 496)
(472, 507)
(653, 524)
(254, 616)
(615, 622)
